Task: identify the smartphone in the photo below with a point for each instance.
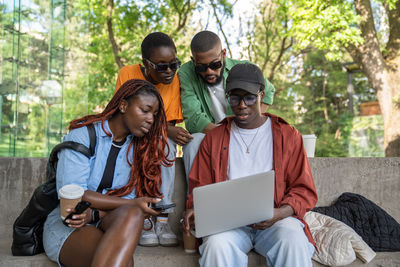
(161, 207)
(79, 208)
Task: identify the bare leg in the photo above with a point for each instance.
(79, 248)
(122, 228)
(111, 245)
(130, 263)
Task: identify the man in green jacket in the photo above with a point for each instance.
(204, 103)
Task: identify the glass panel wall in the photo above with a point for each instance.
(34, 75)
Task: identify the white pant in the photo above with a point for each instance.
(282, 244)
(168, 173)
(190, 152)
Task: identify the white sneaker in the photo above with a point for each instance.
(148, 237)
(166, 237)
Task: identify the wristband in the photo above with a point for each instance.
(95, 216)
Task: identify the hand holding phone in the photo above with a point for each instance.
(162, 207)
(79, 208)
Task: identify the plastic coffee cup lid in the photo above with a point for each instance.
(309, 136)
(71, 191)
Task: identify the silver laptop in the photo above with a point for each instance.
(227, 205)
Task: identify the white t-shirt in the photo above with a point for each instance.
(218, 101)
(258, 142)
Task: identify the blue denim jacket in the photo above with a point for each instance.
(74, 167)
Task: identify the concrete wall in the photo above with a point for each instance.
(378, 179)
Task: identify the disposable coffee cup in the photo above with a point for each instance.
(309, 141)
(189, 243)
(70, 195)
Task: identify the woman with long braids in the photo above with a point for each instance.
(159, 66)
(130, 143)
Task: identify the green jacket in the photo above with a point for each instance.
(195, 97)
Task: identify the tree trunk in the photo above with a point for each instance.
(385, 79)
(111, 38)
(384, 76)
(392, 120)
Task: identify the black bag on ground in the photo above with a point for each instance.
(28, 227)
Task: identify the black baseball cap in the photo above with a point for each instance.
(247, 77)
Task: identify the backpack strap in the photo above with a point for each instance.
(78, 147)
(28, 227)
(92, 138)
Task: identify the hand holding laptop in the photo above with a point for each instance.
(279, 214)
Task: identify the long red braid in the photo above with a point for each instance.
(148, 151)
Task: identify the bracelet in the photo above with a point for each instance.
(95, 216)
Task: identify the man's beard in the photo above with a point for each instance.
(219, 77)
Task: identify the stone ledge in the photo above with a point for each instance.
(175, 256)
(375, 178)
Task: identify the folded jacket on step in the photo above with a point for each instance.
(337, 243)
(376, 227)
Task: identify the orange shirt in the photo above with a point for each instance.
(170, 93)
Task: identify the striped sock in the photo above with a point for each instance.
(162, 219)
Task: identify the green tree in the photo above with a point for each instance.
(321, 105)
(268, 43)
(310, 90)
(117, 30)
(350, 27)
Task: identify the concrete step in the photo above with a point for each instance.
(172, 257)
(143, 257)
(374, 178)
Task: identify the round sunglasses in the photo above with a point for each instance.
(248, 99)
(163, 67)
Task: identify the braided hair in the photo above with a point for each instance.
(148, 151)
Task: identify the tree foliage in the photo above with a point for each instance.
(349, 27)
(311, 91)
(327, 25)
(299, 44)
(117, 32)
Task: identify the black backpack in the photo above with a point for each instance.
(28, 227)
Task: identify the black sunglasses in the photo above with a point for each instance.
(248, 99)
(203, 67)
(163, 67)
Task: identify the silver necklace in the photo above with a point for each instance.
(254, 137)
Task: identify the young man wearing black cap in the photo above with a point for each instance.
(247, 143)
(203, 99)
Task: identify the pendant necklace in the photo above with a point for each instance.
(247, 146)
